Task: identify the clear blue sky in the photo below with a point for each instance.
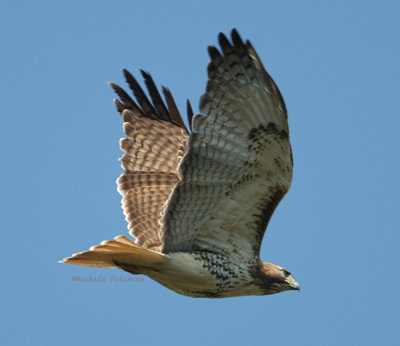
(338, 229)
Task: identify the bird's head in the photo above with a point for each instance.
(275, 279)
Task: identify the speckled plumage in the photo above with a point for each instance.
(198, 203)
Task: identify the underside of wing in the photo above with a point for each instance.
(238, 165)
(154, 145)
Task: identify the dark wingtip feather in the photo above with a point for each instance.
(249, 46)
(189, 113)
(126, 73)
(144, 74)
(213, 52)
(236, 39)
(132, 82)
(127, 102)
(120, 107)
(173, 109)
(147, 77)
(159, 106)
(153, 108)
(224, 43)
(147, 108)
(115, 87)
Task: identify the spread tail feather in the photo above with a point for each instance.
(120, 252)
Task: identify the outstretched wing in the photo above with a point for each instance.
(154, 145)
(238, 165)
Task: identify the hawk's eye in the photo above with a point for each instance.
(286, 273)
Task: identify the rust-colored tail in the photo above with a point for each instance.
(120, 252)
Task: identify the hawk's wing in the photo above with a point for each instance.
(154, 145)
(238, 164)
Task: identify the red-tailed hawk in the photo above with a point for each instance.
(198, 202)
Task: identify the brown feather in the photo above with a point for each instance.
(119, 250)
(154, 145)
(238, 165)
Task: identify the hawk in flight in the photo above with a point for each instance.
(198, 202)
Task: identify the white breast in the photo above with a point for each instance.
(183, 273)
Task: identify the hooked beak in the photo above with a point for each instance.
(294, 285)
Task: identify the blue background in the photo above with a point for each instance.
(337, 66)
